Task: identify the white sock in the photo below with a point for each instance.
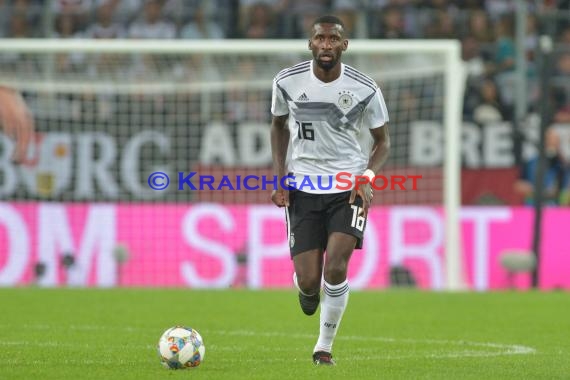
(333, 305)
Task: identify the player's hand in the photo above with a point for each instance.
(280, 197)
(17, 122)
(365, 192)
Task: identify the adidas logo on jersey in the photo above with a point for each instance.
(303, 97)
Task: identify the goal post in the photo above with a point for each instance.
(181, 95)
(454, 89)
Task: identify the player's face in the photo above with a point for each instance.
(327, 45)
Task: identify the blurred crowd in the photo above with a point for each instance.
(486, 21)
(486, 29)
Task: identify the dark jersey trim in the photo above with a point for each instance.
(360, 81)
(361, 75)
(298, 71)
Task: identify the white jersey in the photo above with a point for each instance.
(325, 121)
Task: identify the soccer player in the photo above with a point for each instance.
(320, 107)
(16, 120)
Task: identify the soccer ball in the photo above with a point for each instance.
(181, 347)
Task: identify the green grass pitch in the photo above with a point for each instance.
(112, 334)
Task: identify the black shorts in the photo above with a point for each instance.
(311, 218)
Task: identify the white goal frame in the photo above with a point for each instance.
(453, 96)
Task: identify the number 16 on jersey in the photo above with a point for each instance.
(304, 131)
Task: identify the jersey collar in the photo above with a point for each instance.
(326, 84)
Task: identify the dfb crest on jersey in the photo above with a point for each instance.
(345, 99)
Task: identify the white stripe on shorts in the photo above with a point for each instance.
(288, 220)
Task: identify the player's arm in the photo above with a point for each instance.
(279, 144)
(380, 148)
(16, 120)
(379, 155)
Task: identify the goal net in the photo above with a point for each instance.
(118, 120)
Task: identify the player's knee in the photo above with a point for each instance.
(309, 285)
(335, 273)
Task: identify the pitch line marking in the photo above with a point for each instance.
(506, 349)
(502, 349)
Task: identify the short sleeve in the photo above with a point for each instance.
(279, 106)
(376, 113)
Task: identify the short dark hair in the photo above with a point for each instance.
(328, 19)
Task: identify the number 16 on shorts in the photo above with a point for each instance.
(357, 219)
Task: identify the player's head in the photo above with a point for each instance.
(327, 41)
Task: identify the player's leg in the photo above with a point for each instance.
(307, 239)
(335, 293)
(307, 278)
(346, 231)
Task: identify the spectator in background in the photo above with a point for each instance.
(429, 10)
(66, 28)
(282, 24)
(202, 27)
(441, 26)
(497, 9)
(561, 106)
(104, 26)
(302, 13)
(430, 6)
(4, 17)
(504, 46)
(124, 11)
(555, 175)
(176, 11)
(392, 24)
(564, 37)
(559, 6)
(441, 5)
(489, 108)
(472, 58)
(72, 7)
(559, 94)
(79, 9)
(503, 63)
(411, 16)
(531, 40)
(152, 25)
(470, 5)
(480, 28)
(18, 8)
(259, 22)
(18, 28)
(563, 66)
(474, 67)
